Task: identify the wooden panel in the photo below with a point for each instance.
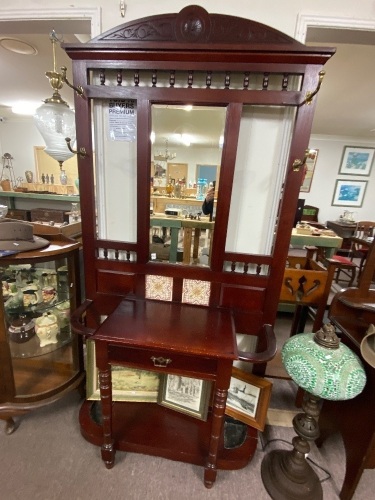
(177, 171)
(122, 283)
(248, 323)
(242, 297)
(303, 286)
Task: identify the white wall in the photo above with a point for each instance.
(326, 173)
(280, 15)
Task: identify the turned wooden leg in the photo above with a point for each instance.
(210, 470)
(107, 449)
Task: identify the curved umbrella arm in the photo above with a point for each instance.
(77, 322)
(267, 354)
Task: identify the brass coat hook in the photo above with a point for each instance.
(310, 95)
(82, 151)
(297, 164)
(78, 90)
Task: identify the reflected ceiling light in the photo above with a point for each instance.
(166, 155)
(152, 137)
(221, 141)
(185, 139)
(24, 108)
(188, 107)
(54, 119)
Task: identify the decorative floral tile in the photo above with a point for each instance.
(196, 292)
(159, 287)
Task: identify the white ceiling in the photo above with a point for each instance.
(346, 104)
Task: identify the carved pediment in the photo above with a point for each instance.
(195, 24)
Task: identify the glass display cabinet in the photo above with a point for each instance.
(41, 360)
(174, 105)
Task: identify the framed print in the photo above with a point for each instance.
(185, 394)
(309, 170)
(349, 193)
(356, 161)
(128, 384)
(248, 398)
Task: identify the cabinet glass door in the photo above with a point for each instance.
(37, 303)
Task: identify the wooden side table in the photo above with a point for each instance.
(166, 337)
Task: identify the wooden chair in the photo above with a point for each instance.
(360, 242)
(310, 213)
(307, 283)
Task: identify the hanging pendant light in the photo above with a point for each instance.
(54, 119)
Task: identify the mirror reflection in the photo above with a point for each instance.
(186, 154)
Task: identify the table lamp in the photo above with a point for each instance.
(325, 368)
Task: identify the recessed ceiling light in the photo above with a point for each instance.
(18, 46)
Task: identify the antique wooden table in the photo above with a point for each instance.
(192, 231)
(344, 230)
(330, 243)
(173, 338)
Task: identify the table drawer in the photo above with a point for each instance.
(150, 359)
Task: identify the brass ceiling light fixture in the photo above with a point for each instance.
(54, 119)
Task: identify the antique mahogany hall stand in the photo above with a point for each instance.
(170, 60)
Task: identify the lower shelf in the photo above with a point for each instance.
(44, 374)
(155, 430)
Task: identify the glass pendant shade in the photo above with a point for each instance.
(333, 374)
(56, 121)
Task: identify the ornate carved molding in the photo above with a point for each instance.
(195, 25)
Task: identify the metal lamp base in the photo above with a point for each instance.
(287, 476)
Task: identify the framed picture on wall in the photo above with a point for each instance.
(356, 161)
(349, 193)
(248, 398)
(309, 170)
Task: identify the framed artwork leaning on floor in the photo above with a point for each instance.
(248, 398)
(186, 395)
(128, 384)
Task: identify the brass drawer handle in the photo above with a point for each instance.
(161, 362)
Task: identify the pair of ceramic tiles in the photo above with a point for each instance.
(193, 291)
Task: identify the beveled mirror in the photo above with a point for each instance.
(186, 152)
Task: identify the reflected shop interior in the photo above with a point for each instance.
(187, 144)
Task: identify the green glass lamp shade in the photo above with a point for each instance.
(330, 373)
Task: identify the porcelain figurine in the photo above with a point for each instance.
(21, 330)
(63, 313)
(63, 178)
(49, 294)
(47, 328)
